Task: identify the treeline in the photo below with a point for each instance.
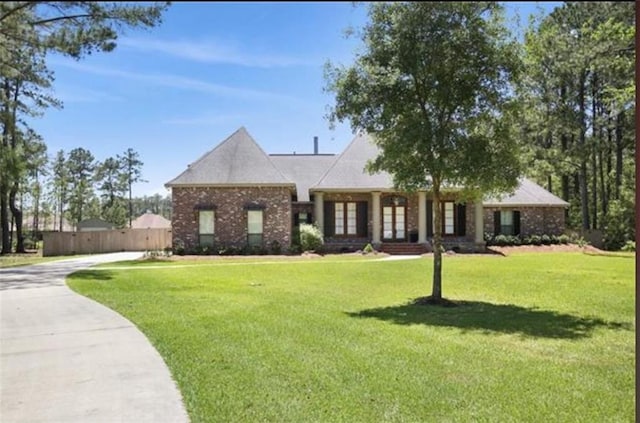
(577, 94)
(56, 193)
(29, 31)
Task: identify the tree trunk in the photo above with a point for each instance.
(619, 155)
(436, 292)
(4, 185)
(4, 219)
(36, 207)
(584, 194)
(17, 215)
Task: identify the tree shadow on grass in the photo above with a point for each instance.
(91, 274)
(491, 318)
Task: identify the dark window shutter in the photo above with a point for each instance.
(461, 230)
(496, 223)
(296, 219)
(429, 218)
(309, 218)
(516, 222)
(362, 220)
(329, 218)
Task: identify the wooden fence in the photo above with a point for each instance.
(93, 242)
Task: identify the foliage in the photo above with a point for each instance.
(578, 97)
(29, 31)
(439, 117)
(330, 340)
(311, 239)
(275, 247)
(629, 246)
(368, 249)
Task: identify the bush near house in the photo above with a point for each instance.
(516, 240)
(311, 238)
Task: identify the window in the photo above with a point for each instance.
(345, 218)
(449, 226)
(454, 220)
(506, 222)
(206, 224)
(254, 227)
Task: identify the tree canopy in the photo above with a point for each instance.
(433, 87)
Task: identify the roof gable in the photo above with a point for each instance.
(348, 171)
(238, 160)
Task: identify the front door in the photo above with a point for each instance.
(394, 213)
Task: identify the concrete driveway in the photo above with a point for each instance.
(65, 358)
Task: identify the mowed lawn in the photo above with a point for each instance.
(539, 337)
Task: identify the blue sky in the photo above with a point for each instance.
(174, 92)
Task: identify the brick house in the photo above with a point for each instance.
(237, 195)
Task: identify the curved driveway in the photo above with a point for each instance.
(65, 358)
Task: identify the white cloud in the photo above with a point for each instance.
(213, 52)
(176, 81)
(84, 95)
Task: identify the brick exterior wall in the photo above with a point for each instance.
(231, 215)
(533, 220)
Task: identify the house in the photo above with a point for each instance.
(151, 220)
(94, 225)
(237, 195)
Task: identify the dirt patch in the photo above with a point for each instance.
(303, 256)
(558, 248)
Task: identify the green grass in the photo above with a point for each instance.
(539, 338)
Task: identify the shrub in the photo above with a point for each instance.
(629, 246)
(501, 240)
(545, 240)
(275, 247)
(295, 249)
(311, 238)
(368, 249)
(178, 248)
(535, 240)
(554, 239)
(563, 239)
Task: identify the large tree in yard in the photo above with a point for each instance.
(432, 86)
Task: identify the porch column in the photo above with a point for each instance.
(319, 210)
(422, 217)
(479, 220)
(375, 208)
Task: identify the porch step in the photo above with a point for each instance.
(404, 249)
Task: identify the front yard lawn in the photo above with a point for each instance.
(539, 337)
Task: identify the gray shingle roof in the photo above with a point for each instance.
(238, 160)
(304, 169)
(528, 193)
(348, 171)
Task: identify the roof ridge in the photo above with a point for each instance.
(203, 156)
(335, 162)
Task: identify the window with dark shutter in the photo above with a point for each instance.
(329, 218)
(516, 222)
(429, 218)
(461, 223)
(362, 219)
(496, 223)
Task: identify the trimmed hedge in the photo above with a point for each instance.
(516, 240)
